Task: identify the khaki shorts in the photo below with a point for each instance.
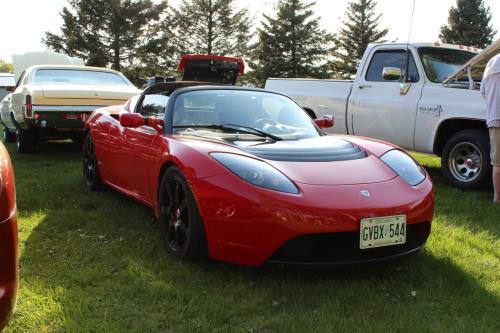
(495, 145)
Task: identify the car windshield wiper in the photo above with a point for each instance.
(236, 128)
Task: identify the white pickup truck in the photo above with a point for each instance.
(437, 108)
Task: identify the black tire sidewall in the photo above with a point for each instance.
(196, 248)
(96, 183)
(8, 136)
(480, 139)
(25, 141)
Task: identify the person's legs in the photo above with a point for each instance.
(496, 183)
(495, 161)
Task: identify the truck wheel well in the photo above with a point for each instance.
(310, 112)
(452, 126)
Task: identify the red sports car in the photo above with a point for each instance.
(246, 176)
(8, 238)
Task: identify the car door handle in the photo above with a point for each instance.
(363, 86)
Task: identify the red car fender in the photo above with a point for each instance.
(8, 239)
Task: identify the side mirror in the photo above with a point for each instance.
(11, 89)
(325, 122)
(391, 73)
(132, 120)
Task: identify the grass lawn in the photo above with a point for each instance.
(94, 263)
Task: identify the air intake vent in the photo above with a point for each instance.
(339, 150)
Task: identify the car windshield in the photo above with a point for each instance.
(78, 77)
(225, 110)
(439, 63)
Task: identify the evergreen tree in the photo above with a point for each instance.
(111, 32)
(290, 44)
(468, 24)
(212, 27)
(360, 29)
(6, 67)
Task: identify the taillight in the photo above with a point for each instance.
(29, 107)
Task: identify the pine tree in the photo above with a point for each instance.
(468, 24)
(290, 44)
(111, 32)
(6, 67)
(212, 27)
(360, 29)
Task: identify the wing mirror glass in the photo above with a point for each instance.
(325, 122)
(391, 73)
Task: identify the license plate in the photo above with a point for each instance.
(72, 116)
(382, 231)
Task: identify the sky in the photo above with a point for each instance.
(23, 22)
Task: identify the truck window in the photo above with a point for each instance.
(439, 63)
(390, 58)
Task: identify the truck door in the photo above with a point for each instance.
(379, 109)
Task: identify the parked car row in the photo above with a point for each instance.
(247, 175)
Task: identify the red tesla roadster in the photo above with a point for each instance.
(246, 176)
(8, 238)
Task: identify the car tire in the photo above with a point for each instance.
(91, 176)
(465, 159)
(181, 227)
(25, 141)
(8, 136)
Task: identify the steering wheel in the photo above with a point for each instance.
(263, 122)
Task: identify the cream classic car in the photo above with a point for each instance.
(53, 101)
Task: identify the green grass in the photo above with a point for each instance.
(94, 263)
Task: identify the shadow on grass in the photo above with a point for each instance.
(471, 209)
(97, 265)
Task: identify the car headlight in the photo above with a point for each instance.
(256, 172)
(406, 168)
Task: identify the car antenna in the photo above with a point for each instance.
(407, 62)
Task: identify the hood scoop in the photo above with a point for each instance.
(321, 149)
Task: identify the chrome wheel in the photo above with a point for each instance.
(465, 162)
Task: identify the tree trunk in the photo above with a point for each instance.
(210, 27)
(116, 53)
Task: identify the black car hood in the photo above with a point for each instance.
(321, 149)
(318, 149)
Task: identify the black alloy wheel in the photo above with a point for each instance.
(181, 228)
(91, 176)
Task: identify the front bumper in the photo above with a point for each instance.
(249, 225)
(343, 248)
(8, 268)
